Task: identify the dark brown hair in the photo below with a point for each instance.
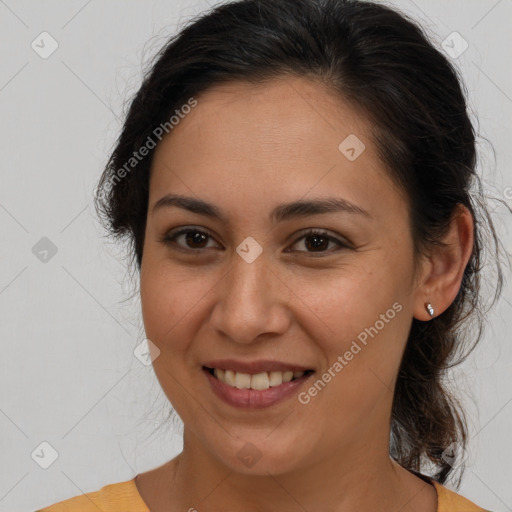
(383, 64)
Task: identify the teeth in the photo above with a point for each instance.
(287, 376)
(259, 381)
(242, 380)
(229, 378)
(275, 378)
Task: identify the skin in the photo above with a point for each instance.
(247, 148)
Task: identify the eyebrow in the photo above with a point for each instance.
(282, 212)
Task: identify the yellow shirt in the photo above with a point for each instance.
(124, 497)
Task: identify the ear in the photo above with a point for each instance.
(442, 270)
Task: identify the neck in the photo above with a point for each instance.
(359, 477)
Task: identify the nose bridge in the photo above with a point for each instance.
(248, 277)
(252, 299)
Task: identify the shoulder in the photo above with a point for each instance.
(450, 501)
(118, 497)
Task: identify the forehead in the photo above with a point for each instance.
(282, 111)
(284, 137)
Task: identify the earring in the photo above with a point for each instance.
(429, 308)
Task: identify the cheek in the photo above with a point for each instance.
(166, 301)
(344, 303)
(361, 322)
(175, 306)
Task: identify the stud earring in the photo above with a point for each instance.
(429, 308)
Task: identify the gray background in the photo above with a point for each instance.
(69, 376)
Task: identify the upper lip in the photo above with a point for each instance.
(253, 367)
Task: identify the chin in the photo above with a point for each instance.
(262, 457)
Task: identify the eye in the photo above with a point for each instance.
(194, 238)
(316, 241)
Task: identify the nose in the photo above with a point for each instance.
(252, 301)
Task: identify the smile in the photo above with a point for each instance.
(259, 381)
(257, 390)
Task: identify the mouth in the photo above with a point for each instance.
(255, 390)
(256, 381)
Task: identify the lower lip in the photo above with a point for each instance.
(254, 398)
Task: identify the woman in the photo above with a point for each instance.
(295, 179)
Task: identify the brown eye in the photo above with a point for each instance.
(318, 241)
(193, 239)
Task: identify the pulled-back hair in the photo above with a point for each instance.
(382, 64)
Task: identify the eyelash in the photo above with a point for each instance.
(169, 239)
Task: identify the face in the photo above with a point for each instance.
(253, 290)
